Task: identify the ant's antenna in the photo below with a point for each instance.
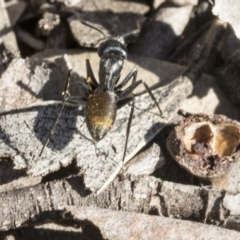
(76, 14)
(129, 37)
(91, 26)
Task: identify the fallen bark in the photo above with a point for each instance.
(7, 35)
(71, 137)
(122, 225)
(34, 205)
(158, 34)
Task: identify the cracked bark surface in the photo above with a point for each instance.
(115, 213)
(141, 226)
(31, 206)
(22, 140)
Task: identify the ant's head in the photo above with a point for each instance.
(117, 46)
(112, 46)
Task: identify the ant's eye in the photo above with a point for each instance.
(102, 48)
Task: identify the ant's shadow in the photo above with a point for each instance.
(52, 80)
(65, 127)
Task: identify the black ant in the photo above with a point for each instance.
(103, 98)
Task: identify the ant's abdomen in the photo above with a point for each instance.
(100, 114)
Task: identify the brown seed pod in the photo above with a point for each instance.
(206, 146)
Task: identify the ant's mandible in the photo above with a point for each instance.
(103, 98)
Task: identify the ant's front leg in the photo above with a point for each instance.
(122, 94)
(132, 74)
(127, 92)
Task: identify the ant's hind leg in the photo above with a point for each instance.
(128, 130)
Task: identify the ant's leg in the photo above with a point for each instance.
(128, 130)
(83, 87)
(75, 100)
(90, 74)
(127, 94)
(152, 96)
(66, 97)
(128, 91)
(130, 37)
(133, 74)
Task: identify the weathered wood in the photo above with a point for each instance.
(228, 78)
(118, 14)
(145, 162)
(144, 194)
(158, 33)
(22, 139)
(7, 35)
(22, 142)
(12, 95)
(122, 225)
(72, 140)
(228, 12)
(48, 83)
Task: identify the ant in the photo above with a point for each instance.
(103, 98)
